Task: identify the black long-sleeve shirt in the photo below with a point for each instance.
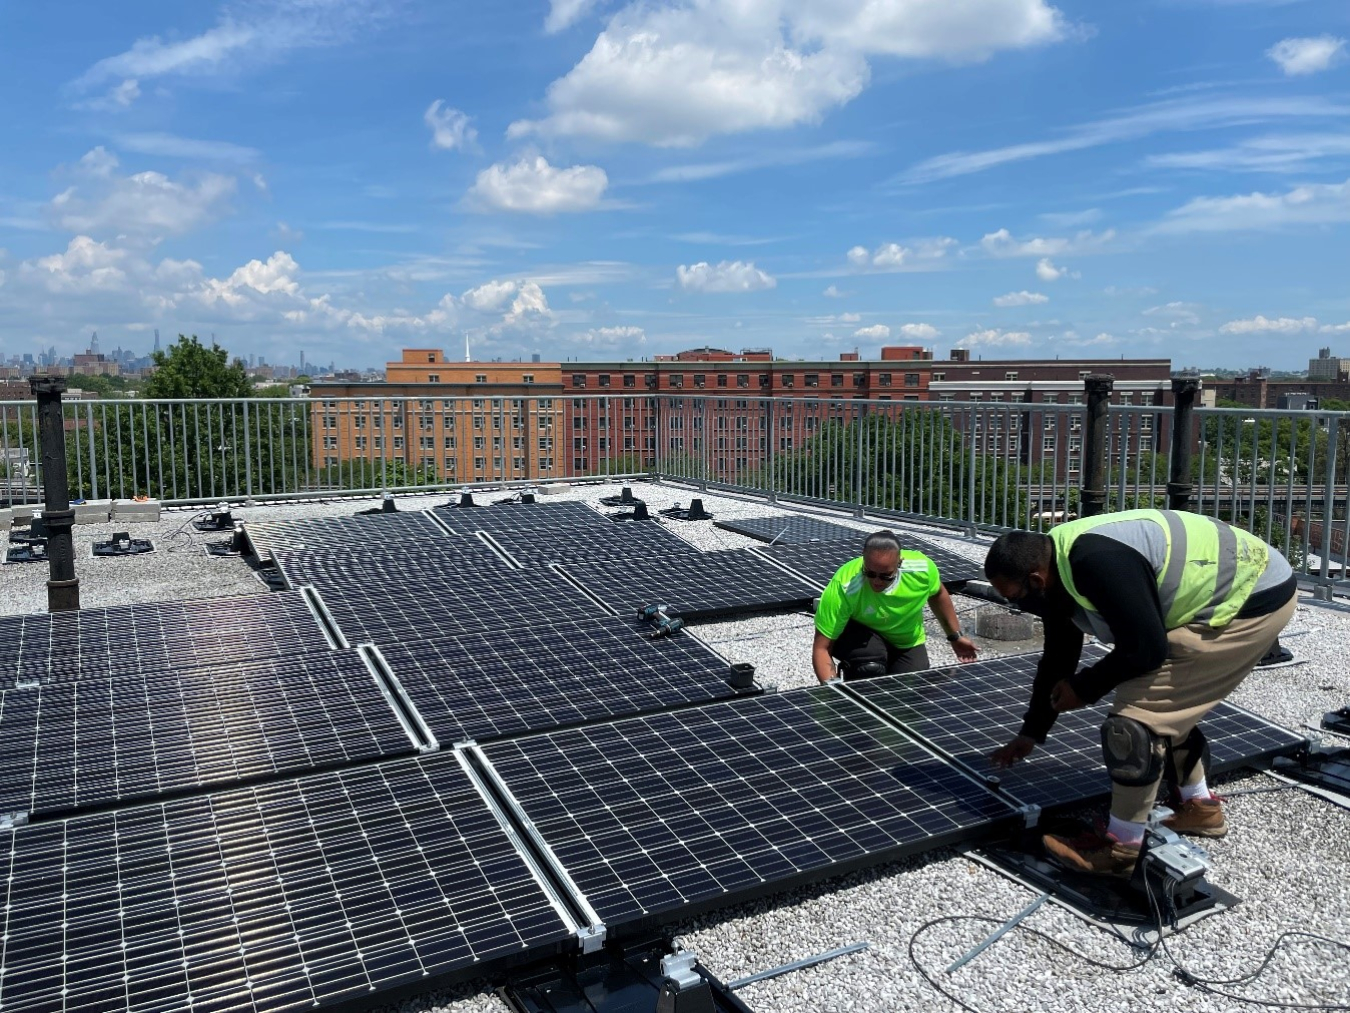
(1123, 588)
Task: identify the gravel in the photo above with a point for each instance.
(1285, 858)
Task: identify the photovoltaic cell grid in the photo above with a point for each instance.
(971, 710)
(645, 539)
(433, 567)
(700, 586)
(521, 516)
(483, 685)
(108, 642)
(518, 601)
(344, 533)
(280, 897)
(707, 805)
(791, 529)
(818, 561)
(81, 744)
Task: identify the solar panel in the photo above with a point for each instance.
(791, 529)
(818, 561)
(971, 710)
(537, 547)
(494, 682)
(519, 516)
(709, 805)
(155, 636)
(344, 533)
(703, 585)
(284, 896)
(439, 566)
(80, 744)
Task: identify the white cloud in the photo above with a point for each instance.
(1003, 244)
(727, 276)
(690, 173)
(919, 332)
(1022, 298)
(1047, 271)
(147, 205)
(1334, 328)
(1286, 153)
(171, 146)
(879, 332)
(533, 186)
(1173, 115)
(612, 337)
(118, 99)
(1309, 204)
(1072, 219)
(1103, 338)
(86, 266)
(450, 128)
(489, 297)
(921, 255)
(676, 74)
(565, 13)
(256, 278)
(994, 337)
(248, 33)
(1308, 55)
(530, 304)
(832, 292)
(1263, 325)
(1177, 312)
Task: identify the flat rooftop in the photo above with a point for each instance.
(1286, 856)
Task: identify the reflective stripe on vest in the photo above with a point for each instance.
(1206, 569)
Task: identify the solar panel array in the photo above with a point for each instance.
(704, 585)
(80, 744)
(493, 682)
(436, 566)
(341, 533)
(791, 529)
(643, 539)
(971, 710)
(284, 896)
(98, 643)
(818, 561)
(656, 814)
(520, 516)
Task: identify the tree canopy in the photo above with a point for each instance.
(188, 369)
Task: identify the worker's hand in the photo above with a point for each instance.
(1063, 697)
(964, 648)
(1018, 749)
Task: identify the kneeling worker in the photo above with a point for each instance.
(870, 615)
(1190, 605)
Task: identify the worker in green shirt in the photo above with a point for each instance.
(870, 616)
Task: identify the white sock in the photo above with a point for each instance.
(1198, 790)
(1126, 832)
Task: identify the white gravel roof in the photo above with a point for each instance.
(1286, 856)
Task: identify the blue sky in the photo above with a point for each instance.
(596, 179)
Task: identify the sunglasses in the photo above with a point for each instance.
(873, 575)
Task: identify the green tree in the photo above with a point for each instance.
(188, 369)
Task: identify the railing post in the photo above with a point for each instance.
(248, 454)
(1179, 485)
(1329, 502)
(1093, 495)
(63, 587)
(858, 509)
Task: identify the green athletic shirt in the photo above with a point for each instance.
(896, 613)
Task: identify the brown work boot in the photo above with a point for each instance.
(1198, 817)
(1093, 852)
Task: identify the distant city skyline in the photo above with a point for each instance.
(605, 178)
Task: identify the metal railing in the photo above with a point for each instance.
(977, 466)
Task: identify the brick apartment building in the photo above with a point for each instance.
(1257, 390)
(478, 421)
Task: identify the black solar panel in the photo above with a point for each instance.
(703, 585)
(716, 803)
(281, 897)
(80, 744)
(154, 636)
(521, 516)
(568, 544)
(342, 533)
(791, 529)
(971, 710)
(439, 566)
(495, 682)
(818, 561)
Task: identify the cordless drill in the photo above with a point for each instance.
(662, 624)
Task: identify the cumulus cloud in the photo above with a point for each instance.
(1004, 244)
(85, 266)
(612, 337)
(1047, 271)
(994, 337)
(677, 74)
(879, 332)
(919, 332)
(533, 186)
(1309, 204)
(565, 13)
(832, 292)
(920, 255)
(489, 297)
(1264, 325)
(727, 276)
(450, 130)
(1298, 57)
(1022, 298)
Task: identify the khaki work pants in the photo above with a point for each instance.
(1203, 666)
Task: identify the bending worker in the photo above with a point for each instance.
(870, 615)
(1190, 605)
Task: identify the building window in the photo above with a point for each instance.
(546, 443)
(700, 379)
(629, 380)
(883, 379)
(721, 379)
(330, 462)
(379, 443)
(650, 380)
(763, 379)
(527, 378)
(859, 379)
(1048, 444)
(449, 465)
(330, 443)
(788, 379)
(603, 379)
(578, 379)
(1127, 399)
(479, 442)
(836, 379)
(479, 463)
(578, 422)
(1083, 374)
(449, 443)
(742, 380)
(1010, 375)
(911, 379)
(433, 378)
(811, 379)
(359, 442)
(677, 381)
(398, 442)
(939, 377)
